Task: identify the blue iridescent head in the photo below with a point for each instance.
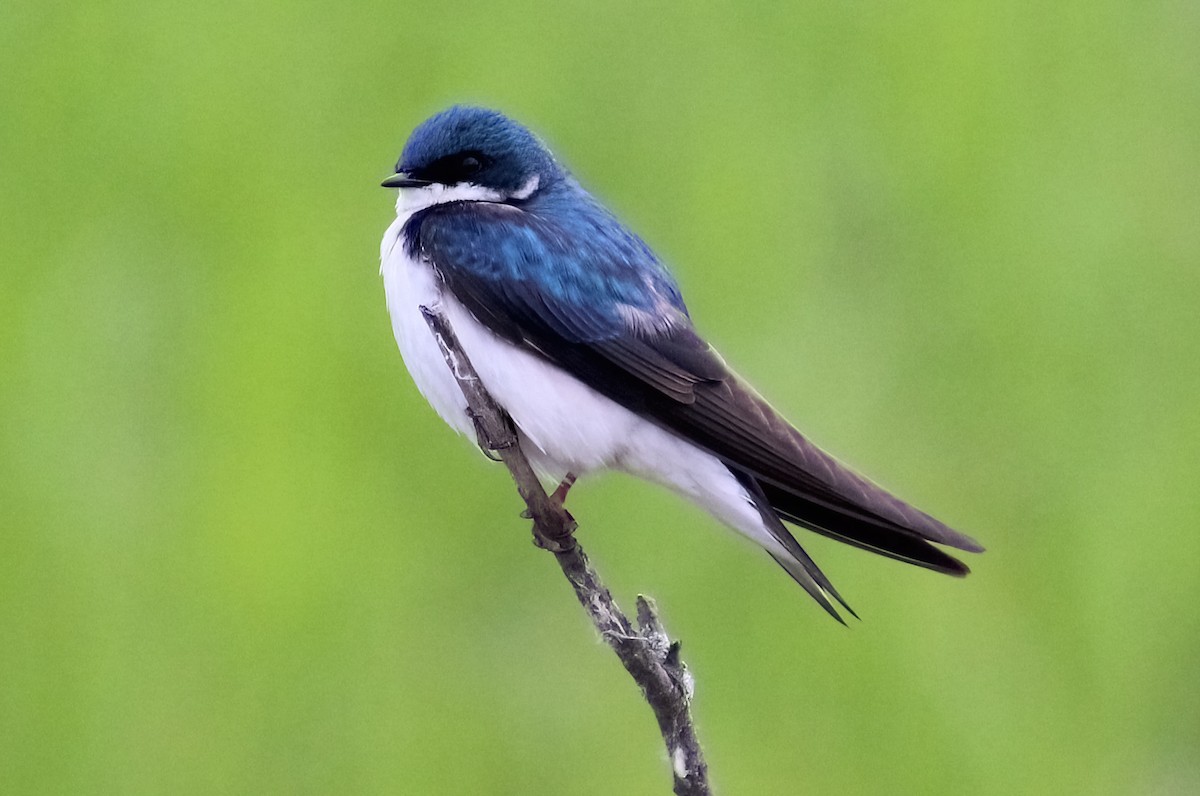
(476, 146)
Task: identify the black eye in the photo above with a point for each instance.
(456, 168)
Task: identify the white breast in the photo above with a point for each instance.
(565, 425)
(571, 427)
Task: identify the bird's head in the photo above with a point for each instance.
(473, 153)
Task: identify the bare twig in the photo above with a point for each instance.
(646, 652)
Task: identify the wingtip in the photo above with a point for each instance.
(956, 539)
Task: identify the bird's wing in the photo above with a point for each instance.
(602, 308)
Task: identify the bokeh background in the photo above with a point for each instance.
(958, 243)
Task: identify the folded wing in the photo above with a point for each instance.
(609, 314)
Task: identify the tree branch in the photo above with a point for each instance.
(645, 651)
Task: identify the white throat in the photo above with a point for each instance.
(410, 200)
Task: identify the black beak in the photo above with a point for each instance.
(402, 180)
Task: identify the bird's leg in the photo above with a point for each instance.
(559, 495)
(556, 497)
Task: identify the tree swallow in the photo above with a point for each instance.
(580, 333)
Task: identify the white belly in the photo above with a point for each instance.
(565, 425)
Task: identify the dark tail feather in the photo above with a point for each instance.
(797, 563)
(861, 530)
(879, 537)
(805, 572)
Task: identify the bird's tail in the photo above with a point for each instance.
(858, 528)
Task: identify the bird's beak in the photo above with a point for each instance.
(401, 180)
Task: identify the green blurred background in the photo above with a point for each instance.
(958, 243)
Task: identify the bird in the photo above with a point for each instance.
(580, 333)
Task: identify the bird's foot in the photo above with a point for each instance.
(547, 539)
(559, 495)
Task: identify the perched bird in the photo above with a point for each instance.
(580, 333)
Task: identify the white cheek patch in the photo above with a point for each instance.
(527, 190)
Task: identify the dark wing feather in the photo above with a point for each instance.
(536, 286)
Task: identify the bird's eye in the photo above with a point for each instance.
(456, 168)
